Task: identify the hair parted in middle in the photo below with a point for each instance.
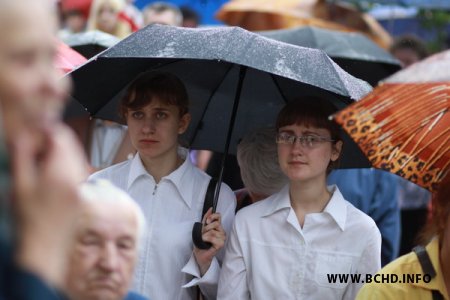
(155, 85)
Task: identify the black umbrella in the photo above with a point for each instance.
(209, 62)
(352, 51)
(90, 43)
(219, 65)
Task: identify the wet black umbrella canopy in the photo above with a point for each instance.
(209, 61)
(352, 51)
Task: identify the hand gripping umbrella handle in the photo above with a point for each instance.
(197, 237)
(197, 230)
(210, 195)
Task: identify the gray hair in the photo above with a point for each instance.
(161, 6)
(102, 190)
(258, 160)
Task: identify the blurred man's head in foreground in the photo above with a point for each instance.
(31, 90)
(105, 248)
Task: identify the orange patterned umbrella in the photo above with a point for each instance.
(256, 15)
(403, 125)
(269, 14)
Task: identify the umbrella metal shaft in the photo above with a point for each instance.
(237, 97)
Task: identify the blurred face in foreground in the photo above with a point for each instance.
(104, 253)
(31, 91)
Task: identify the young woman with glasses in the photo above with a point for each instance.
(295, 243)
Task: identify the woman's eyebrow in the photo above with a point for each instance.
(310, 132)
(304, 132)
(287, 131)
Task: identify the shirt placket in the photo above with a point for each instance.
(298, 246)
(148, 258)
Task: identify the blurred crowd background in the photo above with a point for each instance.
(382, 19)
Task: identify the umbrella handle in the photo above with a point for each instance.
(197, 230)
(197, 237)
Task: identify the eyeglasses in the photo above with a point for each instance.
(308, 141)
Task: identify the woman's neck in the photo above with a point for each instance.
(162, 166)
(308, 197)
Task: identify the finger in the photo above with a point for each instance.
(213, 217)
(214, 234)
(23, 164)
(216, 225)
(208, 213)
(217, 239)
(63, 145)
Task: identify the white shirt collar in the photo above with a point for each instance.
(137, 170)
(179, 177)
(336, 207)
(279, 200)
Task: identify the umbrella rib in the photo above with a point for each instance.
(198, 126)
(430, 128)
(438, 153)
(438, 136)
(242, 72)
(408, 117)
(444, 170)
(166, 64)
(278, 88)
(416, 151)
(392, 133)
(407, 114)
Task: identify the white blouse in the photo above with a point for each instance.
(167, 268)
(269, 256)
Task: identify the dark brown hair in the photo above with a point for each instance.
(311, 111)
(440, 212)
(151, 85)
(410, 42)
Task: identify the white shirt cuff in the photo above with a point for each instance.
(210, 277)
